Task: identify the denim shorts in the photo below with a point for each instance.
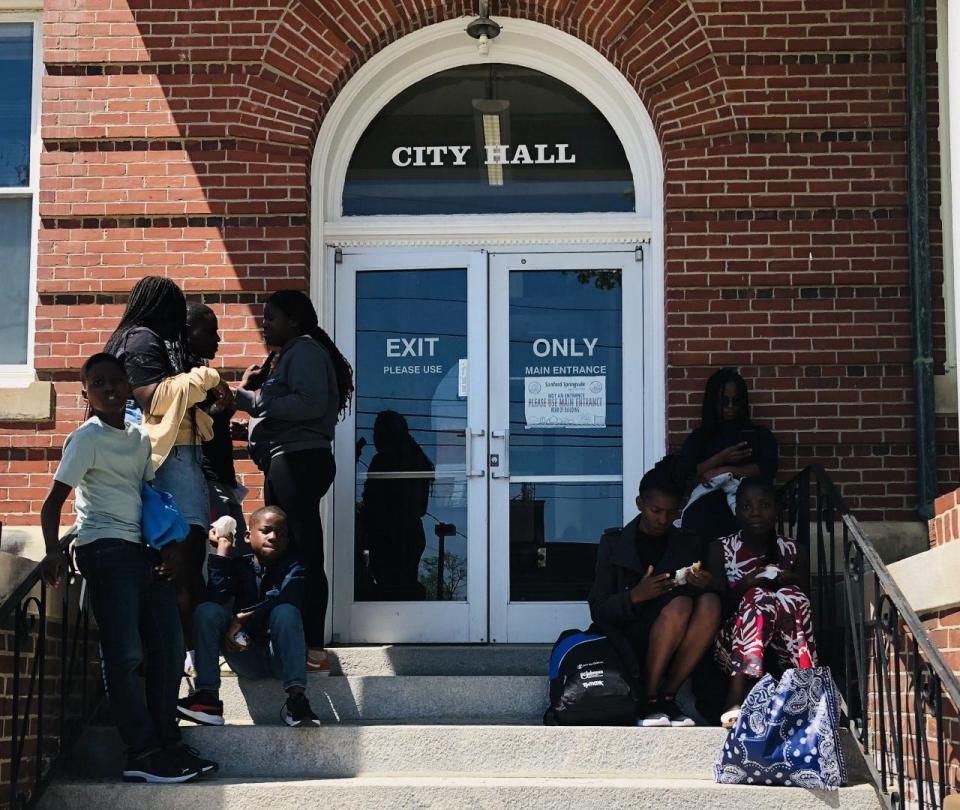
(182, 476)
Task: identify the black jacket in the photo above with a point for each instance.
(255, 588)
(620, 567)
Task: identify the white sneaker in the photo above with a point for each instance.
(656, 717)
(675, 714)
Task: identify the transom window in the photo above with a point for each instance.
(488, 139)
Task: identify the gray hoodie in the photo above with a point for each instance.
(296, 409)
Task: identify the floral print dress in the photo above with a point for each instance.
(779, 621)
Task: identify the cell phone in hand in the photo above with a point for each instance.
(750, 437)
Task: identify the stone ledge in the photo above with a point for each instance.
(929, 580)
(34, 403)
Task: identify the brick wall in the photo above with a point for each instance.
(945, 526)
(177, 140)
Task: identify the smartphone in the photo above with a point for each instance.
(750, 437)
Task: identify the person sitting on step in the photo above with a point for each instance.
(262, 636)
(767, 615)
(670, 625)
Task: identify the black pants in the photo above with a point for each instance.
(136, 611)
(296, 482)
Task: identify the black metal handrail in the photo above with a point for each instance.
(892, 676)
(35, 746)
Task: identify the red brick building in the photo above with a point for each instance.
(755, 215)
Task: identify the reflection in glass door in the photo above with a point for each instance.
(416, 569)
(557, 462)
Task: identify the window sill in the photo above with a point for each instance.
(29, 402)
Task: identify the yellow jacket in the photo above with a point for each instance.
(168, 422)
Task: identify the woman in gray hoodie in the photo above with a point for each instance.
(295, 400)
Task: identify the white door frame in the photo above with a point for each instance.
(528, 44)
(524, 622)
(421, 621)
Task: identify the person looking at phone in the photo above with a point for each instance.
(295, 399)
(728, 445)
(635, 590)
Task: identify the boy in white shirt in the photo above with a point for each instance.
(132, 596)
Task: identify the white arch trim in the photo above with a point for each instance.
(528, 44)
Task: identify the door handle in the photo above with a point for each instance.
(468, 437)
(503, 468)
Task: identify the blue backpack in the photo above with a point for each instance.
(593, 680)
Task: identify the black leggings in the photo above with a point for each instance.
(296, 482)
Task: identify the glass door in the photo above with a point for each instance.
(410, 557)
(564, 360)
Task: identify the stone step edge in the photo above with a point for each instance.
(459, 780)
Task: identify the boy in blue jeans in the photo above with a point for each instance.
(133, 599)
(262, 636)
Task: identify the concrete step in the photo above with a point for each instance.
(394, 699)
(443, 793)
(441, 659)
(332, 752)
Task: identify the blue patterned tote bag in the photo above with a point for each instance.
(788, 733)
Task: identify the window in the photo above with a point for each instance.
(19, 167)
(488, 139)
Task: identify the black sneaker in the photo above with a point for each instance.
(191, 756)
(675, 713)
(201, 707)
(296, 712)
(159, 766)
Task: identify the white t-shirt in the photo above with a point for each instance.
(106, 465)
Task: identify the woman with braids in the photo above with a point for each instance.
(294, 400)
(151, 343)
(727, 447)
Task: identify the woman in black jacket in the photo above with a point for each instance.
(295, 400)
(669, 624)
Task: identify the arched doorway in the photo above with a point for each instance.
(487, 248)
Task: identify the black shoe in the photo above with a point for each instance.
(201, 707)
(677, 718)
(160, 766)
(191, 757)
(296, 712)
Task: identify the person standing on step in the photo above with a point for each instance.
(151, 342)
(262, 633)
(767, 617)
(133, 599)
(294, 400)
(669, 625)
(226, 494)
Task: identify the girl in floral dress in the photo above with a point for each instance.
(768, 618)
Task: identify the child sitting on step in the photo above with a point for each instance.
(669, 624)
(262, 636)
(767, 615)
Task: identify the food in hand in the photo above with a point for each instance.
(680, 577)
(225, 526)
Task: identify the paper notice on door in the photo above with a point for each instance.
(463, 381)
(566, 402)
